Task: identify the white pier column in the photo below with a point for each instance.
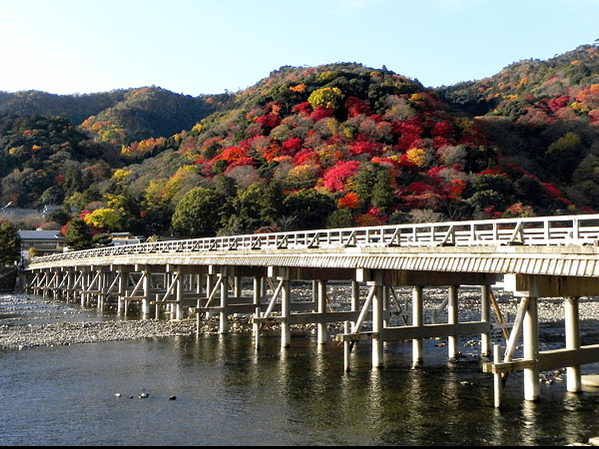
(532, 385)
(573, 373)
(377, 324)
(101, 287)
(322, 308)
(85, 280)
(485, 315)
(258, 284)
(286, 311)
(349, 326)
(452, 318)
(70, 284)
(497, 378)
(180, 292)
(224, 301)
(145, 304)
(417, 320)
(122, 287)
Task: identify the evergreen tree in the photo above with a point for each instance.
(198, 213)
(10, 244)
(78, 235)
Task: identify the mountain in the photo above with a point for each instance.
(335, 145)
(544, 116)
(118, 116)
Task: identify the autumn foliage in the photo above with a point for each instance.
(339, 144)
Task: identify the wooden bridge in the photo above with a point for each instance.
(534, 258)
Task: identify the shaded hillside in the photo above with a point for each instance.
(151, 112)
(544, 116)
(119, 116)
(44, 160)
(507, 92)
(75, 108)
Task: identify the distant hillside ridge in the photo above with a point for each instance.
(118, 116)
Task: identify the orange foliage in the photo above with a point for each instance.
(349, 201)
(298, 88)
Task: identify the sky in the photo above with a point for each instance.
(198, 47)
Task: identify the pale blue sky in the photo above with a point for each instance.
(209, 46)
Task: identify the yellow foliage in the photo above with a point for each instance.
(115, 201)
(16, 151)
(417, 156)
(104, 218)
(329, 97)
(120, 175)
(327, 76)
(303, 176)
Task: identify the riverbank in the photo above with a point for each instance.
(66, 333)
(69, 330)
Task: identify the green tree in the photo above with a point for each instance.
(341, 218)
(198, 214)
(309, 207)
(78, 235)
(563, 156)
(10, 244)
(102, 239)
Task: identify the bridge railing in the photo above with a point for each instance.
(555, 230)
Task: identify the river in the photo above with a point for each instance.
(217, 390)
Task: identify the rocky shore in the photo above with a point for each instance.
(20, 336)
(65, 333)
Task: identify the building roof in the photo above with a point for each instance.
(41, 235)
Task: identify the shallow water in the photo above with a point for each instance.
(228, 393)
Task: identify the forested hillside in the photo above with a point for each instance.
(544, 116)
(335, 145)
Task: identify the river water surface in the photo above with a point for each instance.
(217, 390)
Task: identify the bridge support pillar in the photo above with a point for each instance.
(532, 386)
(224, 302)
(573, 373)
(70, 284)
(122, 287)
(178, 312)
(147, 287)
(322, 308)
(417, 320)
(485, 338)
(452, 318)
(85, 281)
(101, 290)
(258, 290)
(286, 310)
(378, 320)
(497, 377)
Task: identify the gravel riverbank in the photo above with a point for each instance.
(65, 333)
(17, 335)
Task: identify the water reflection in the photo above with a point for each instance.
(230, 393)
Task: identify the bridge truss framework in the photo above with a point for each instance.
(534, 258)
